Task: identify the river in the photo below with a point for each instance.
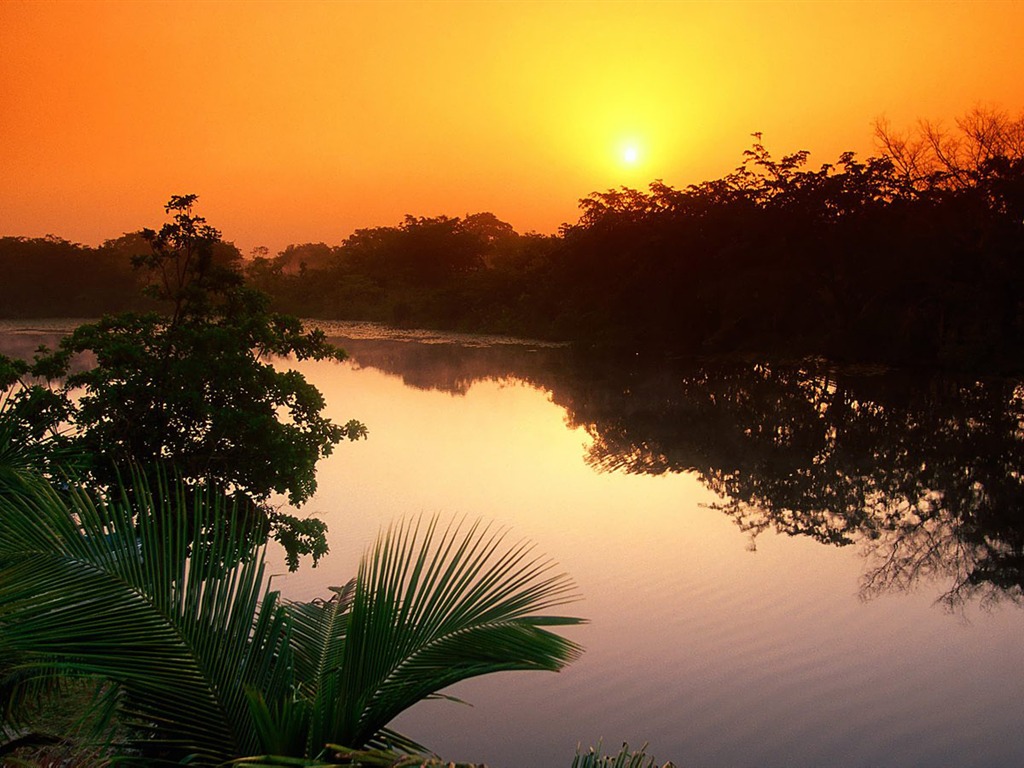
(780, 566)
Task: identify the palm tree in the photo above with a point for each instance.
(142, 591)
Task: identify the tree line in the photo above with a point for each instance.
(913, 256)
(138, 460)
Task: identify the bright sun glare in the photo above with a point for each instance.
(630, 154)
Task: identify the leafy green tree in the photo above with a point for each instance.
(196, 386)
(208, 666)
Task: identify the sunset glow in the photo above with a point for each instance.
(301, 121)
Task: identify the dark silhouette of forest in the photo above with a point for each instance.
(53, 277)
(913, 257)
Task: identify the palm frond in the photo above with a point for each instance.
(431, 608)
(125, 591)
(318, 633)
(162, 592)
(625, 758)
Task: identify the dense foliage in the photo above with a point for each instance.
(52, 277)
(193, 386)
(202, 665)
(136, 465)
(855, 261)
(914, 256)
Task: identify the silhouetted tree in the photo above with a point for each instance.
(53, 277)
(913, 257)
(428, 250)
(935, 157)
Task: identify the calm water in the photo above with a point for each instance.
(780, 567)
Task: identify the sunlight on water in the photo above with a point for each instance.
(714, 654)
(501, 452)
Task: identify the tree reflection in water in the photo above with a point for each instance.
(924, 473)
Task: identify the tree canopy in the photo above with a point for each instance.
(912, 257)
(195, 387)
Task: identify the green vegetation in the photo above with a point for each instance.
(194, 386)
(136, 462)
(200, 663)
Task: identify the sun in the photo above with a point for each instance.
(624, 156)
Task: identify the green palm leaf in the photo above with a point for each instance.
(429, 609)
(126, 591)
(164, 596)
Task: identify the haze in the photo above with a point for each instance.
(300, 122)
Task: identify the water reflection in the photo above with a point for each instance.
(923, 473)
(715, 656)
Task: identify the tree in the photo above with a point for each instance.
(936, 157)
(52, 277)
(423, 250)
(196, 386)
(298, 259)
(208, 666)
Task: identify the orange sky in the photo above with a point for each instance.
(301, 121)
